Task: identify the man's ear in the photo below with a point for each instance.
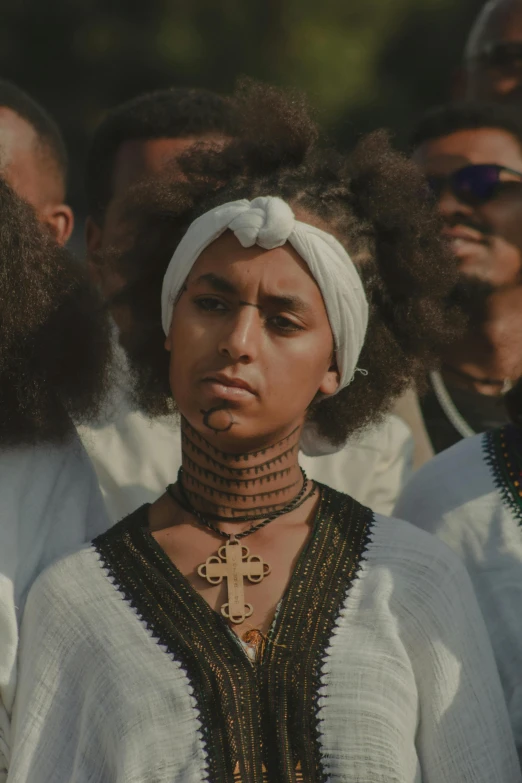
(331, 380)
(60, 220)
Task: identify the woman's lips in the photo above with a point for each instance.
(228, 388)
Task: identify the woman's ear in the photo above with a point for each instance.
(331, 380)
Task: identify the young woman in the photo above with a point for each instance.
(251, 625)
(53, 355)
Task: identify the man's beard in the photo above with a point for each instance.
(470, 295)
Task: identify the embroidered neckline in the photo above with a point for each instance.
(259, 722)
(176, 576)
(503, 454)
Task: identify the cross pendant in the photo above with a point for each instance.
(234, 563)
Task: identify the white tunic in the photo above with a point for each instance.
(455, 496)
(408, 691)
(134, 457)
(373, 467)
(50, 504)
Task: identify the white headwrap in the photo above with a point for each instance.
(269, 222)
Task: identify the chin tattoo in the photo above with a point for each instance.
(219, 419)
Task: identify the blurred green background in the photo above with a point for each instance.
(364, 63)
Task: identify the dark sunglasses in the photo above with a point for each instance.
(475, 184)
(502, 55)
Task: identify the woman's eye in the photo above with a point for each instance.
(210, 304)
(284, 324)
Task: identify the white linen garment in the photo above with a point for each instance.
(457, 498)
(409, 691)
(50, 504)
(134, 457)
(373, 467)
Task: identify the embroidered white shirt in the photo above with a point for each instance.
(409, 690)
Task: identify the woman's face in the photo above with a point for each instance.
(250, 344)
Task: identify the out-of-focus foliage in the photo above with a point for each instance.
(364, 63)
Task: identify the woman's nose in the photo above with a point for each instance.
(241, 335)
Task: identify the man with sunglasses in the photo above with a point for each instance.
(472, 157)
(470, 496)
(493, 54)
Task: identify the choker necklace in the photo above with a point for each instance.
(233, 561)
(505, 384)
(448, 406)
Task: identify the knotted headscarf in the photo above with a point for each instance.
(269, 222)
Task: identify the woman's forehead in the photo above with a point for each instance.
(276, 268)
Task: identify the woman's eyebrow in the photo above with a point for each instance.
(276, 301)
(286, 302)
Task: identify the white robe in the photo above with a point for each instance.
(455, 497)
(409, 691)
(372, 468)
(50, 504)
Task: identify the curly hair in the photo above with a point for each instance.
(54, 336)
(373, 201)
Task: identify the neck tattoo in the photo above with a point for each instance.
(260, 485)
(239, 487)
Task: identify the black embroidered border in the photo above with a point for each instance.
(503, 453)
(272, 719)
(197, 640)
(296, 653)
